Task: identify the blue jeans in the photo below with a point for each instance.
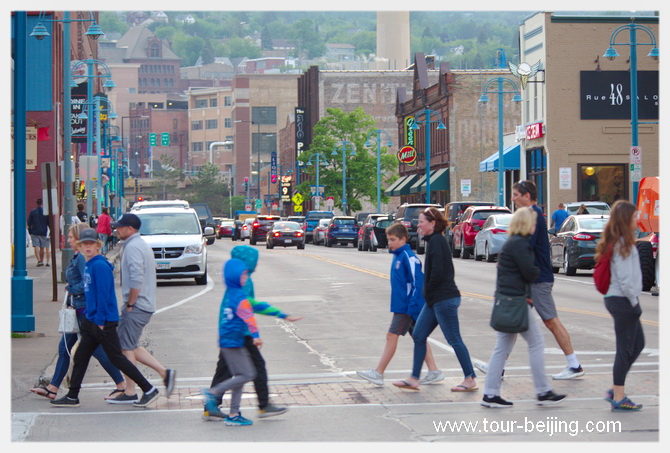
(445, 314)
(66, 343)
(103, 238)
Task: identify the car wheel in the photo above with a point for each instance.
(465, 253)
(420, 247)
(489, 257)
(252, 240)
(202, 280)
(355, 243)
(478, 257)
(360, 245)
(373, 248)
(567, 269)
(454, 251)
(647, 265)
(210, 241)
(366, 245)
(301, 246)
(269, 245)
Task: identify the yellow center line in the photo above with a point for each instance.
(465, 293)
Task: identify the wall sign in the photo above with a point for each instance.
(534, 131)
(407, 155)
(300, 128)
(409, 133)
(606, 95)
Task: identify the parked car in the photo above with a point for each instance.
(574, 245)
(365, 231)
(225, 229)
(360, 217)
(260, 227)
(296, 218)
(378, 234)
(468, 225)
(159, 204)
(592, 207)
(408, 215)
(492, 236)
(246, 228)
(319, 233)
(342, 229)
(285, 234)
(178, 242)
(206, 220)
(312, 220)
(453, 210)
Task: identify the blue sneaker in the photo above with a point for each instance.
(238, 420)
(625, 405)
(609, 396)
(209, 400)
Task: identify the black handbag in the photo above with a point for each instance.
(510, 313)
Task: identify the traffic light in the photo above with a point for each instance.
(136, 185)
(245, 184)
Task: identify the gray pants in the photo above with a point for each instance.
(243, 370)
(502, 349)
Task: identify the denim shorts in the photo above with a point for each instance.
(543, 301)
(401, 324)
(40, 241)
(130, 328)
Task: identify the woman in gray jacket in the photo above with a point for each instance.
(621, 299)
(516, 270)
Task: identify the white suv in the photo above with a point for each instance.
(177, 239)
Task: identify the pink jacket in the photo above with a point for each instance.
(104, 224)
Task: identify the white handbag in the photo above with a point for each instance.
(68, 317)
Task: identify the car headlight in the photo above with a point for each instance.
(195, 249)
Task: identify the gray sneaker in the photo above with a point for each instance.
(148, 398)
(271, 410)
(122, 398)
(432, 377)
(169, 381)
(372, 375)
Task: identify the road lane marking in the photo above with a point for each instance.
(208, 288)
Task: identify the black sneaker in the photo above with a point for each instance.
(169, 381)
(148, 398)
(122, 398)
(271, 410)
(496, 401)
(549, 398)
(65, 402)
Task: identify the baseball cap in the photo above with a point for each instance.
(130, 220)
(88, 235)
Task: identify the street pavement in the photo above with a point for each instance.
(315, 376)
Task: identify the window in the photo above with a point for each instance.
(607, 183)
(212, 102)
(196, 146)
(228, 122)
(227, 101)
(264, 115)
(132, 90)
(212, 124)
(196, 125)
(200, 103)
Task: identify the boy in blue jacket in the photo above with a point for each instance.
(98, 326)
(236, 320)
(406, 304)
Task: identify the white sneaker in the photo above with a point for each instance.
(372, 376)
(432, 377)
(481, 366)
(569, 373)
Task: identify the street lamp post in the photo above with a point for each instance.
(378, 138)
(344, 147)
(440, 126)
(319, 163)
(500, 81)
(611, 54)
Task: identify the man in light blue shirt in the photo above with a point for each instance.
(559, 216)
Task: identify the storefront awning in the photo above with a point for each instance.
(419, 185)
(392, 187)
(512, 160)
(439, 180)
(403, 188)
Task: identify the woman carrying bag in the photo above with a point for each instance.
(516, 270)
(75, 288)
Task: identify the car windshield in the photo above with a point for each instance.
(344, 221)
(590, 209)
(503, 219)
(169, 223)
(286, 226)
(413, 213)
(592, 224)
(320, 215)
(482, 215)
(266, 221)
(383, 223)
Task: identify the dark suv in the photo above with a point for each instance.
(260, 227)
(408, 215)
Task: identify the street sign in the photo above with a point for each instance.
(259, 203)
(165, 139)
(297, 198)
(273, 166)
(152, 139)
(247, 207)
(636, 155)
(635, 172)
(297, 208)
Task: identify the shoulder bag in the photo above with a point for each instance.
(68, 316)
(602, 274)
(510, 313)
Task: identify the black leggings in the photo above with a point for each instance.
(260, 381)
(629, 335)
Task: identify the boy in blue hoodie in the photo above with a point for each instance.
(98, 326)
(236, 320)
(406, 304)
(249, 255)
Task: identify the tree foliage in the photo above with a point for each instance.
(211, 187)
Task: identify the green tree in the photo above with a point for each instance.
(211, 187)
(189, 48)
(306, 38)
(110, 22)
(167, 177)
(339, 129)
(242, 47)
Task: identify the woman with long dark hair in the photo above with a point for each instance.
(622, 298)
(442, 301)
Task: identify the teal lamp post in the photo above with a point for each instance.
(319, 163)
(377, 134)
(611, 54)
(500, 82)
(344, 146)
(427, 113)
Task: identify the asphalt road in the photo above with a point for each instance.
(344, 296)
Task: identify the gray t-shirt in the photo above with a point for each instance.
(138, 271)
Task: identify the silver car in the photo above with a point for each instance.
(491, 237)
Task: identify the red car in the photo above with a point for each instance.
(225, 229)
(468, 225)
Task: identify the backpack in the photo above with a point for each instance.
(602, 273)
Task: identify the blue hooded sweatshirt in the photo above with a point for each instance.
(406, 282)
(101, 305)
(236, 317)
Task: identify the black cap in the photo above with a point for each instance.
(88, 235)
(130, 220)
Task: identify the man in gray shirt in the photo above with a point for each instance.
(138, 287)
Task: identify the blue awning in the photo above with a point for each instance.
(511, 156)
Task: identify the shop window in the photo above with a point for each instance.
(607, 183)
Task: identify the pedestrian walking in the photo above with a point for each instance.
(236, 320)
(81, 214)
(515, 271)
(406, 304)
(249, 256)
(38, 228)
(138, 288)
(622, 298)
(104, 229)
(559, 216)
(442, 301)
(74, 275)
(98, 326)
